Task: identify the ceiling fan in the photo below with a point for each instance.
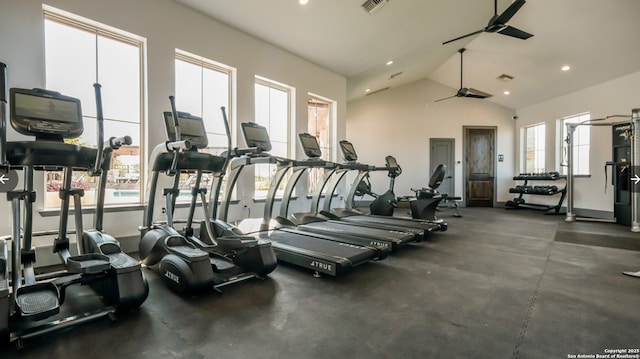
(499, 23)
(464, 91)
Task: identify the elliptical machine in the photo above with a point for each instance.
(219, 254)
(33, 305)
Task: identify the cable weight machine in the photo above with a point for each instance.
(635, 163)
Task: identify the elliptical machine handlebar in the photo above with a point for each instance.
(228, 133)
(3, 82)
(97, 168)
(116, 142)
(3, 116)
(178, 145)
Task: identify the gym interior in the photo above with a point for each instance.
(262, 179)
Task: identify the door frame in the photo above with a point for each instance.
(452, 159)
(465, 130)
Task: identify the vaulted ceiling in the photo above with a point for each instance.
(597, 38)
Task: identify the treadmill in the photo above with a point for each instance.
(391, 239)
(331, 180)
(352, 215)
(322, 254)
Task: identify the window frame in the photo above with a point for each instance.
(581, 138)
(539, 128)
(207, 64)
(329, 155)
(100, 30)
(290, 135)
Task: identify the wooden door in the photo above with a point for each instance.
(442, 152)
(480, 166)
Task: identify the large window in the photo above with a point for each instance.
(79, 53)
(534, 152)
(320, 124)
(202, 87)
(272, 110)
(581, 139)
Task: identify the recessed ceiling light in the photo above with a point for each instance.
(566, 68)
(367, 90)
(506, 92)
(304, 2)
(390, 62)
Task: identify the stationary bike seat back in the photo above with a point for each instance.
(434, 182)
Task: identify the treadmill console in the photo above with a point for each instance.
(191, 129)
(45, 114)
(310, 145)
(256, 136)
(348, 151)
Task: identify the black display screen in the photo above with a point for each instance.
(191, 128)
(348, 151)
(391, 162)
(45, 113)
(46, 108)
(310, 145)
(256, 136)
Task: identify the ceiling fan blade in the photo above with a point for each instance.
(463, 36)
(471, 92)
(508, 14)
(513, 32)
(446, 98)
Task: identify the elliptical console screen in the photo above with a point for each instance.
(42, 113)
(191, 129)
(256, 136)
(310, 145)
(391, 162)
(348, 152)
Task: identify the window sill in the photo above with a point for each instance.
(263, 200)
(54, 212)
(322, 196)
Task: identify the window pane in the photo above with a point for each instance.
(201, 89)
(188, 88)
(119, 74)
(70, 60)
(581, 141)
(319, 125)
(535, 149)
(215, 93)
(75, 59)
(272, 111)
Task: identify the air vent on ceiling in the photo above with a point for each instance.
(372, 6)
(395, 75)
(505, 78)
(377, 91)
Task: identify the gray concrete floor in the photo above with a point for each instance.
(498, 284)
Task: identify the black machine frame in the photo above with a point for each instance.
(32, 306)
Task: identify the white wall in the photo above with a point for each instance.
(617, 96)
(166, 25)
(401, 120)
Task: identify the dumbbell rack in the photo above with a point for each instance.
(547, 190)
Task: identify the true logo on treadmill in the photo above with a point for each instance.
(174, 277)
(379, 244)
(320, 265)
